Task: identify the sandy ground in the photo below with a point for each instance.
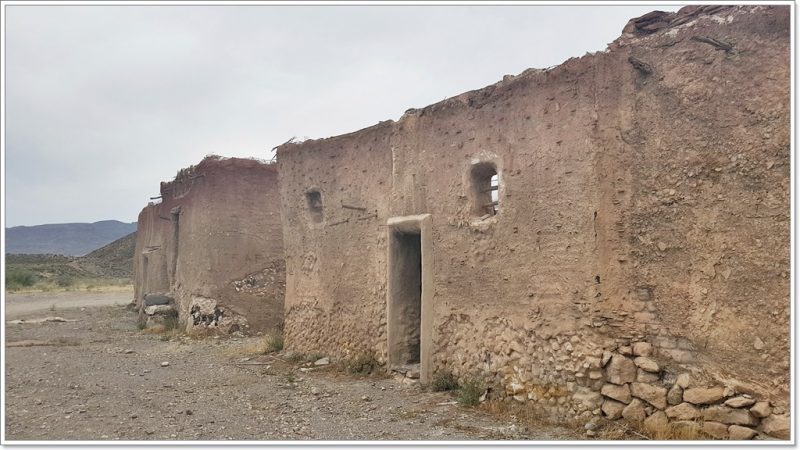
(18, 305)
(101, 378)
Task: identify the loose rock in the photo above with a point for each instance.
(728, 415)
(683, 411)
(646, 364)
(739, 402)
(634, 412)
(776, 426)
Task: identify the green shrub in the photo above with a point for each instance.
(444, 381)
(274, 343)
(470, 391)
(20, 278)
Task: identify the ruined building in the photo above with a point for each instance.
(212, 247)
(608, 236)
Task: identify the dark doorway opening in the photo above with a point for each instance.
(405, 309)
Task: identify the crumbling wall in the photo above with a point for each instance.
(220, 245)
(643, 203)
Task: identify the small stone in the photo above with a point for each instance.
(322, 361)
(758, 344)
(165, 364)
(655, 395)
(612, 409)
(728, 416)
(634, 412)
(683, 411)
(625, 350)
(683, 380)
(646, 364)
(739, 402)
(620, 370)
(715, 429)
(675, 395)
(662, 246)
(314, 391)
(776, 426)
(590, 433)
(128, 351)
(189, 412)
(642, 349)
(616, 392)
(761, 409)
(704, 396)
(740, 433)
(656, 421)
(590, 426)
(606, 358)
(365, 398)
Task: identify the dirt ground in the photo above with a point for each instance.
(99, 377)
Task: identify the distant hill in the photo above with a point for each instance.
(111, 262)
(71, 239)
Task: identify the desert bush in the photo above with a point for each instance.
(444, 381)
(470, 391)
(362, 364)
(64, 280)
(18, 278)
(273, 343)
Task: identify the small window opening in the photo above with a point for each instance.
(485, 189)
(314, 200)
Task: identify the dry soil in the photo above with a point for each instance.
(101, 378)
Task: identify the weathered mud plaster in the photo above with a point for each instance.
(214, 243)
(642, 202)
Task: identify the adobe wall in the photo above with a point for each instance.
(220, 250)
(642, 231)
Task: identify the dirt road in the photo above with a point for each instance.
(27, 303)
(101, 378)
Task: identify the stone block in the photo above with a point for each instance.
(642, 349)
(739, 402)
(646, 364)
(715, 429)
(740, 433)
(704, 396)
(634, 412)
(620, 370)
(655, 395)
(620, 393)
(730, 416)
(761, 409)
(683, 411)
(612, 409)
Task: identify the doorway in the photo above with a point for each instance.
(410, 289)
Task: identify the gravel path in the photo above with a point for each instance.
(101, 378)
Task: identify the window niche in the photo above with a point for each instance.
(485, 185)
(314, 202)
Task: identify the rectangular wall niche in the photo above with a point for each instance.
(410, 293)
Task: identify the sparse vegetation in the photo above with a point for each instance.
(362, 364)
(19, 278)
(444, 381)
(470, 391)
(273, 343)
(170, 323)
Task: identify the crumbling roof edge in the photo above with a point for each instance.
(636, 28)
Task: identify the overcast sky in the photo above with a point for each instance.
(104, 102)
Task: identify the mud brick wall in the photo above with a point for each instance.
(219, 251)
(643, 201)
